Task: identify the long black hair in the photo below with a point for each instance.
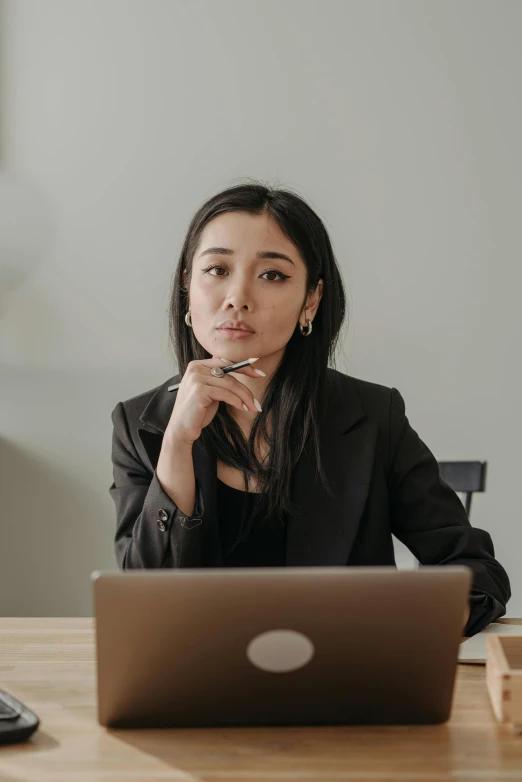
(298, 391)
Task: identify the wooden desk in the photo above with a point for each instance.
(50, 665)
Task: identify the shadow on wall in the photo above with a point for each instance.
(27, 231)
(53, 528)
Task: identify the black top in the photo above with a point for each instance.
(265, 546)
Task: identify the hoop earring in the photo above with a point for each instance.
(188, 319)
(302, 329)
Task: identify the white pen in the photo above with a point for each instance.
(230, 368)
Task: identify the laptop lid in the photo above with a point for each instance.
(278, 646)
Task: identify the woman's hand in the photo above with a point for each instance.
(199, 395)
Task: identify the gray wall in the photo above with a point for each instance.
(399, 121)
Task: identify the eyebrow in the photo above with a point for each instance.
(259, 254)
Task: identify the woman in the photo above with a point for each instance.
(300, 464)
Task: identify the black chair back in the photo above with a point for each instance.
(464, 478)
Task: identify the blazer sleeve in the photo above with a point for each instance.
(149, 525)
(429, 518)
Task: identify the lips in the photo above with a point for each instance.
(236, 326)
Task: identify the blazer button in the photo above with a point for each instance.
(163, 514)
(161, 525)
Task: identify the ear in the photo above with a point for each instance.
(313, 300)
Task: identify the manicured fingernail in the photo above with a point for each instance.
(245, 408)
(258, 405)
(260, 372)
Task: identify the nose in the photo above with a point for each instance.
(240, 298)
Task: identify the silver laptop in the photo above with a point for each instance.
(278, 645)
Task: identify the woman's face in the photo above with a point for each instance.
(265, 292)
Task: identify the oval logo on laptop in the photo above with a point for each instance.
(280, 651)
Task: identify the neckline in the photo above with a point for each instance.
(241, 491)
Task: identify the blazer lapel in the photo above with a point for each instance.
(323, 528)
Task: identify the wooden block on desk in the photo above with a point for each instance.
(504, 678)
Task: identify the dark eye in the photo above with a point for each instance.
(215, 266)
(282, 276)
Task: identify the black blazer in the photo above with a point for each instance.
(385, 478)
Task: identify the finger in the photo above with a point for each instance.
(247, 370)
(234, 386)
(224, 395)
(214, 361)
